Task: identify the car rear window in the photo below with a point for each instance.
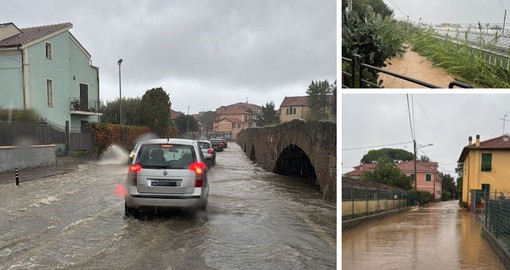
(166, 156)
(203, 145)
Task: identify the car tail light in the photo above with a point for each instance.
(198, 167)
(135, 168)
(133, 171)
(210, 151)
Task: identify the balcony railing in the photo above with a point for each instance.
(76, 105)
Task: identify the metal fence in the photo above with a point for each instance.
(497, 218)
(359, 202)
(354, 79)
(16, 133)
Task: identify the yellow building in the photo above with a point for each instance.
(294, 108)
(486, 167)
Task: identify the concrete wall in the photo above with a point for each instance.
(316, 138)
(12, 157)
(358, 208)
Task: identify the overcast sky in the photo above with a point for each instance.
(205, 54)
(451, 11)
(444, 120)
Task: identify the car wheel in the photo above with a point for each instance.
(128, 211)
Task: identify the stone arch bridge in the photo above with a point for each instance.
(299, 148)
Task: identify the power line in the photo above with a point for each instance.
(395, 5)
(501, 4)
(374, 146)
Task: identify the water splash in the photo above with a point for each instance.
(114, 154)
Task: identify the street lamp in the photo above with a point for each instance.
(416, 149)
(120, 93)
(188, 123)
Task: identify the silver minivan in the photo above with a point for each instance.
(168, 173)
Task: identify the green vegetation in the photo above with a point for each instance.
(319, 94)
(269, 115)
(25, 116)
(130, 112)
(419, 197)
(185, 124)
(155, 111)
(459, 59)
(388, 154)
(372, 36)
(387, 173)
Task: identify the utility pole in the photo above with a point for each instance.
(415, 178)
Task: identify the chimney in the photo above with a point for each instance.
(470, 140)
(477, 140)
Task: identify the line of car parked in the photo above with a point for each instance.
(170, 173)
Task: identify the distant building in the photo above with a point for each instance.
(485, 167)
(45, 68)
(428, 177)
(296, 108)
(231, 119)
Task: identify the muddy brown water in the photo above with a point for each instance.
(441, 236)
(413, 65)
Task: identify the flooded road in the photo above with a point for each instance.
(413, 65)
(441, 236)
(255, 220)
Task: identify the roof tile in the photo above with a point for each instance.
(30, 34)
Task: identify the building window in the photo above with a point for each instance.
(411, 176)
(486, 162)
(294, 112)
(49, 92)
(428, 177)
(48, 50)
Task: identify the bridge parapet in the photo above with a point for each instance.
(298, 148)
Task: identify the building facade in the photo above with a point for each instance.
(46, 69)
(231, 119)
(485, 167)
(297, 108)
(428, 177)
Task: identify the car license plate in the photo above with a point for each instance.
(161, 183)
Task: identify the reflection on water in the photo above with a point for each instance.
(441, 236)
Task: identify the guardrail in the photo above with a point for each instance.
(355, 80)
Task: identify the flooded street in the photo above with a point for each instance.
(413, 65)
(441, 236)
(255, 220)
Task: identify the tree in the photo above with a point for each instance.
(184, 121)
(155, 111)
(333, 103)
(424, 159)
(319, 94)
(207, 119)
(387, 173)
(130, 112)
(269, 115)
(389, 154)
(449, 186)
(367, 7)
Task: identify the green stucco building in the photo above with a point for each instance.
(46, 69)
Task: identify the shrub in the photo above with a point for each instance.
(418, 197)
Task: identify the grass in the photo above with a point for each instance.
(465, 63)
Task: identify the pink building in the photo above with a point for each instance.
(428, 177)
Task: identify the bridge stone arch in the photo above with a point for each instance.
(284, 149)
(293, 161)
